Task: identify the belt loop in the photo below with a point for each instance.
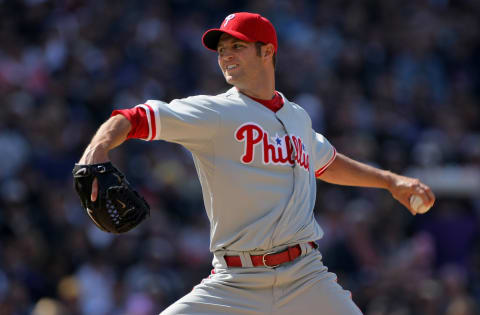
(291, 255)
(245, 259)
(306, 248)
(219, 256)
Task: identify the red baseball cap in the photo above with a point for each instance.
(246, 26)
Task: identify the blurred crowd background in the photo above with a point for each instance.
(391, 83)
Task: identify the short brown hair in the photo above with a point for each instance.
(259, 45)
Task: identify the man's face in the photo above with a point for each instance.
(238, 60)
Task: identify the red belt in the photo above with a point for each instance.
(270, 259)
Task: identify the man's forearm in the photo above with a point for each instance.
(111, 134)
(348, 172)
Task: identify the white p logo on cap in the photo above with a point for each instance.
(228, 18)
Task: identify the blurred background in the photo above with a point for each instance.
(391, 83)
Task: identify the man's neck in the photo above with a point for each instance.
(263, 95)
(263, 88)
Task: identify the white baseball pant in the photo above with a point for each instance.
(301, 287)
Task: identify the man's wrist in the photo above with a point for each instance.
(95, 154)
(389, 179)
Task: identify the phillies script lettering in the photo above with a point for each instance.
(278, 151)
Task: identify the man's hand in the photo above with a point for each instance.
(94, 194)
(101, 186)
(113, 205)
(402, 188)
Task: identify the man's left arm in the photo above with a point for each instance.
(348, 172)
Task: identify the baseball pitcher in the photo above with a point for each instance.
(258, 160)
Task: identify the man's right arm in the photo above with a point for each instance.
(111, 134)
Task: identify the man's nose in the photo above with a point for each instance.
(227, 55)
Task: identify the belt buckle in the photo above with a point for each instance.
(265, 261)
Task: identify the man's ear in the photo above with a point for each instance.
(268, 50)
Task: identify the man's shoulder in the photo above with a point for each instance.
(297, 108)
(201, 100)
(229, 95)
(205, 99)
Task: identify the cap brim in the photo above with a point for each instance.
(211, 37)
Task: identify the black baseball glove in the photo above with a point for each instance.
(118, 207)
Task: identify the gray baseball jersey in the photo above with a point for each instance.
(256, 167)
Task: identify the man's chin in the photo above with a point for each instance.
(230, 80)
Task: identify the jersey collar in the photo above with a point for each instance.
(234, 92)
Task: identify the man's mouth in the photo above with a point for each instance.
(231, 67)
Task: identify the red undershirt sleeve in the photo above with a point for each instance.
(139, 120)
